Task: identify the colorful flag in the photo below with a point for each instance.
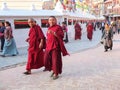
(73, 0)
(81, 0)
(65, 1)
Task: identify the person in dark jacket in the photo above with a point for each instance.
(2, 29)
(107, 37)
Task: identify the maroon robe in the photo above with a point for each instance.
(89, 31)
(35, 55)
(54, 47)
(77, 31)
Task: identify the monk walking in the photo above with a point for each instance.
(89, 31)
(54, 47)
(77, 31)
(35, 50)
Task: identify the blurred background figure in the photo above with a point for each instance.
(118, 26)
(9, 45)
(107, 37)
(89, 31)
(78, 30)
(65, 30)
(2, 29)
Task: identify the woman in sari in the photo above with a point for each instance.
(9, 45)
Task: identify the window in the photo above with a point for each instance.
(44, 23)
(21, 24)
(69, 21)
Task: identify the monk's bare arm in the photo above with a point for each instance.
(41, 44)
(52, 32)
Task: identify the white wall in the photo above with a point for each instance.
(20, 35)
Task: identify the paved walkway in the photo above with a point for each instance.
(92, 69)
(73, 46)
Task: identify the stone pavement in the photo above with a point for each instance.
(91, 69)
(73, 46)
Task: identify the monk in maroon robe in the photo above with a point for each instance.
(89, 31)
(77, 31)
(35, 50)
(54, 47)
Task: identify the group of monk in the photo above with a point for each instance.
(45, 51)
(78, 30)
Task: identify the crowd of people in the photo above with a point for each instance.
(46, 51)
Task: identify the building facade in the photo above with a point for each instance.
(112, 8)
(28, 4)
(22, 4)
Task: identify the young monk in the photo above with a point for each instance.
(35, 51)
(54, 47)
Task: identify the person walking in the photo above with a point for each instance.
(65, 30)
(89, 31)
(107, 37)
(118, 26)
(114, 26)
(102, 26)
(36, 41)
(9, 44)
(78, 30)
(2, 29)
(54, 48)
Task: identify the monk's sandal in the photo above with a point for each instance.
(52, 75)
(55, 77)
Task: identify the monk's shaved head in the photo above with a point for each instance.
(31, 19)
(52, 17)
(52, 20)
(31, 22)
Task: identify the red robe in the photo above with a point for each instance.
(77, 31)
(54, 47)
(35, 56)
(89, 31)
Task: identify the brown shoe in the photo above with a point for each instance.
(52, 74)
(27, 73)
(55, 77)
